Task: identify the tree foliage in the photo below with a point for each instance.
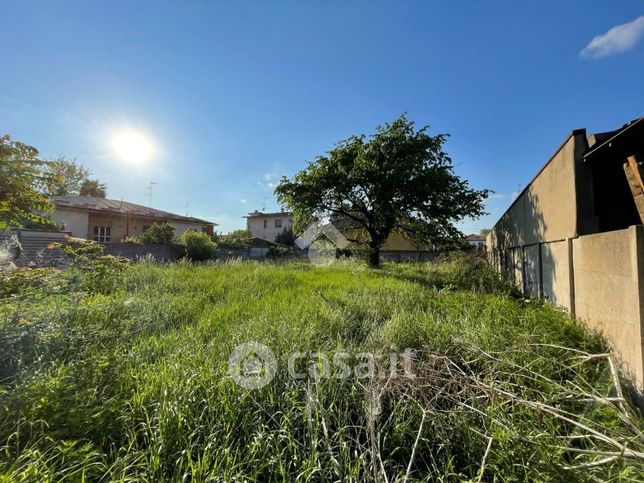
(198, 245)
(159, 234)
(397, 179)
(286, 237)
(69, 178)
(22, 173)
(236, 239)
(92, 187)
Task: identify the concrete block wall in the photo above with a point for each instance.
(599, 278)
(608, 281)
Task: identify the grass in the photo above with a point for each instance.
(133, 385)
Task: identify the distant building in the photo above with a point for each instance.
(268, 225)
(104, 220)
(476, 241)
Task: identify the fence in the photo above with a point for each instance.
(34, 245)
(599, 278)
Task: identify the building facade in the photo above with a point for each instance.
(107, 221)
(267, 226)
(574, 236)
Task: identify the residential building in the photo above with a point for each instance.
(476, 241)
(574, 236)
(104, 220)
(268, 225)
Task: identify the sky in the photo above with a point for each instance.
(233, 95)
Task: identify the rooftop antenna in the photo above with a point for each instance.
(187, 207)
(264, 205)
(149, 192)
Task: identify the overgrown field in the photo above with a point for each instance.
(131, 382)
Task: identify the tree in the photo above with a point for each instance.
(286, 237)
(69, 178)
(92, 187)
(158, 234)
(22, 173)
(484, 231)
(198, 246)
(397, 179)
(236, 239)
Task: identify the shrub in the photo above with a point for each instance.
(159, 234)
(236, 239)
(132, 240)
(280, 252)
(198, 246)
(95, 271)
(286, 237)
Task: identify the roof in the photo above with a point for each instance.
(475, 238)
(618, 142)
(261, 213)
(104, 205)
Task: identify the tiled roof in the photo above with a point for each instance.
(104, 205)
(475, 238)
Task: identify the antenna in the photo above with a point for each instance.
(187, 207)
(264, 205)
(149, 192)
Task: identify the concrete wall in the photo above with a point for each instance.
(547, 209)
(608, 274)
(546, 242)
(75, 222)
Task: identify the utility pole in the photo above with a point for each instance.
(149, 192)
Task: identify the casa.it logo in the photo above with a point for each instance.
(321, 240)
(252, 365)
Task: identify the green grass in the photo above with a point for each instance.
(133, 384)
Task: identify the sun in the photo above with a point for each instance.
(132, 147)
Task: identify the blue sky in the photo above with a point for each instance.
(234, 94)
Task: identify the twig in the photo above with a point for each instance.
(413, 450)
(487, 451)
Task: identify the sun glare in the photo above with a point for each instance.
(132, 147)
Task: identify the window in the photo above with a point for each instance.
(278, 223)
(265, 224)
(102, 234)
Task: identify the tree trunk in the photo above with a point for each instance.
(374, 257)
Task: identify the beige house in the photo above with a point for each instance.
(574, 236)
(104, 220)
(267, 226)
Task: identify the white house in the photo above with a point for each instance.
(268, 225)
(104, 220)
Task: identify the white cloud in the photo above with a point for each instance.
(243, 201)
(618, 39)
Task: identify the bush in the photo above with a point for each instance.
(198, 246)
(286, 237)
(159, 234)
(95, 271)
(236, 239)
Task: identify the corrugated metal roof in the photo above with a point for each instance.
(93, 203)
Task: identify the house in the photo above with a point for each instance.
(397, 247)
(268, 225)
(104, 220)
(574, 236)
(476, 241)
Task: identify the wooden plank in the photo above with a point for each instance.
(633, 172)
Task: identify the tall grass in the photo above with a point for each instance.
(132, 385)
